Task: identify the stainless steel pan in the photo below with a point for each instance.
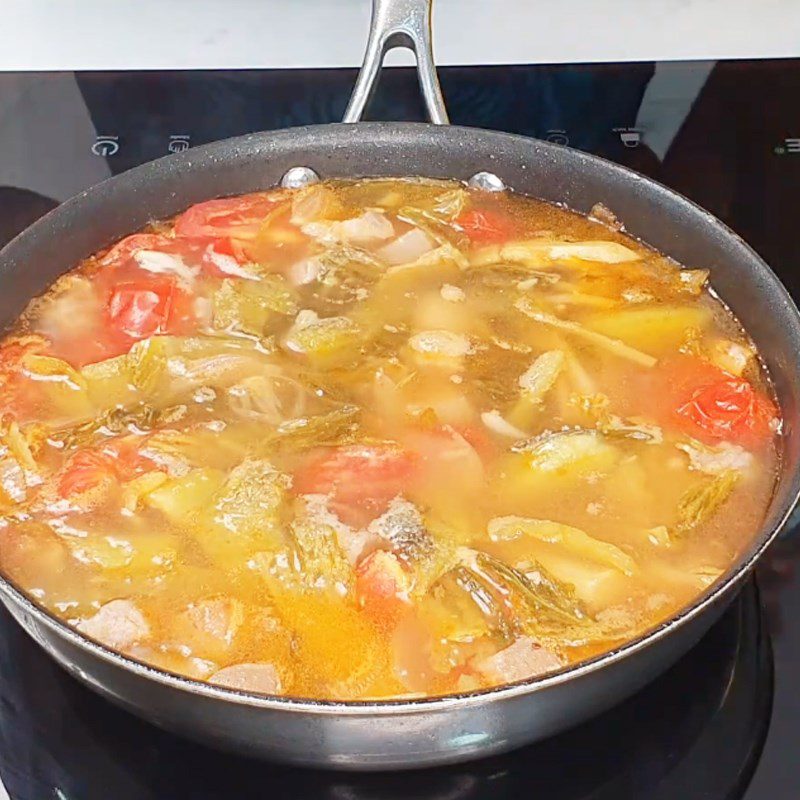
(415, 733)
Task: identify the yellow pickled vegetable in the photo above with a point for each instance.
(323, 341)
(654, 329)
(250, 305)
(180, 498)
(141, 486)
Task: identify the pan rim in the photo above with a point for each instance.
(775, 517)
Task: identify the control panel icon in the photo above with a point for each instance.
(105, 146)
(178, 143)
(790, 144)
(630, 137)
(557, 136)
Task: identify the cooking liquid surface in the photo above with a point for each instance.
(378, 439)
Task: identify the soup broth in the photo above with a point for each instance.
(378, 439)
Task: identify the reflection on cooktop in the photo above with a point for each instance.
(697, 732)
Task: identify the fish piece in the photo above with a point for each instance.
(716, 460)
(402, 526)
(260, 678)
(210, 625)
(520, 660)
(118, 624)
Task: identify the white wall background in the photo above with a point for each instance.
(191, 34)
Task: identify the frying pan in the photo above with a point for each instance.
(420, 732)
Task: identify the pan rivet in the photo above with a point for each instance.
(298, 177)
(486, 182)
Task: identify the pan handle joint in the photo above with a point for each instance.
(399, 23)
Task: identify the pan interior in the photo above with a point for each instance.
(650, 212)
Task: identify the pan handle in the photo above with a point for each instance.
(399, 23)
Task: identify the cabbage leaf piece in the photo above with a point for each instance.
(337, 426)
(60, 385)
(320, 560)
(249, 306)
(134, 418)
(323, 340)
(547, 600)
(312, 557)
(512, 602)
(249, 502)
(161, 366)
(701, 502)
(575, 541)
(607, 343)
(634, 428)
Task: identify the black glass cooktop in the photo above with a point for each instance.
(725, 721)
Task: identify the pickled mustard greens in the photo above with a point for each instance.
(377, 438)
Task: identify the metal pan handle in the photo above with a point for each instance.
(399, 23)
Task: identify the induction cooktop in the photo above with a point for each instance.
(722, 723)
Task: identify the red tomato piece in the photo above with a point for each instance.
(140, 312)
(730, 409)
(483, 226)
(128, 458)
(222, 258)
(479, 440)
(147, 306)
(236, 217)
(119, 460)
(361, 476)
(712, 404)
(83, 350)
(125, 248)
(382, 587)
(444, 451)
(84, 471)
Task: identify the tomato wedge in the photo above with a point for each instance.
(128, 458)
(207, 251)
(358, 477)
(445, 451)
(382, 588)
(729, 409)
(223, 258)
(235, 217)
(91, 468)
(483, 226)
(84, 471)
(479, 440)
(127, 247)
(711, 404)
(147, 306)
